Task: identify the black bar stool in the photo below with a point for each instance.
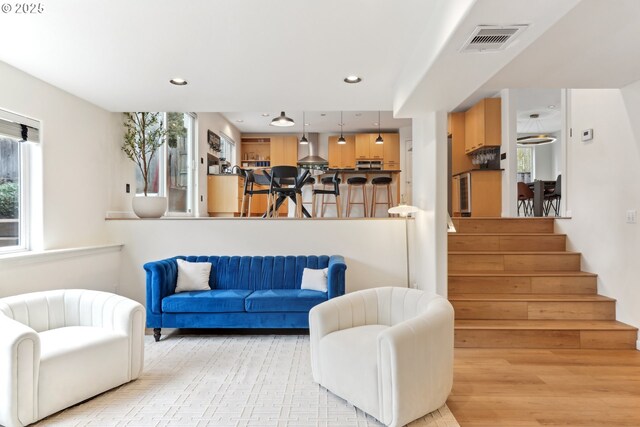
(382, 182)
(334, 190)
(284, 183)
(357, 181)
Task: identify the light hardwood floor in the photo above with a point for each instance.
(546, 387)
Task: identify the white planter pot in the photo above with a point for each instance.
(149, 206)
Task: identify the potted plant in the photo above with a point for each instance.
(144, 134)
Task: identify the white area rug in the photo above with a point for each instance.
(229, 380)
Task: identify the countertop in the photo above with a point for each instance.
(362, 171)
(477, 170)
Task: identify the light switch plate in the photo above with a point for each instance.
(587, 134)
(632, 216)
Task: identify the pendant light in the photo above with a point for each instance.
(341, 140)
(282, 121)
(303, 140)
(379, 139)
(534, 126)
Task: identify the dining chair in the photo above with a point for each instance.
(284, 183)
(251, 179)
(553, 197)
(525, 199)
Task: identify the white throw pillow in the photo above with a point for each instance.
(314, 280)
(193, 276)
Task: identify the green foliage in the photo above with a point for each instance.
(525, 159)
(175, 128)
(9, 200)
(144, 134)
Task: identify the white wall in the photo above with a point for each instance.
(428, 237)
(217, 124)
(74, 158)
(374, 249)
(72, 170)
(603, 176)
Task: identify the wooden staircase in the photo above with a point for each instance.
(513, 285)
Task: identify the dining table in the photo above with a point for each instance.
(294, 183)
(539, 187)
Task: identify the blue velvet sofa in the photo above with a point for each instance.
(246, 292)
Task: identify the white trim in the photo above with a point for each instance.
(19, 118)
(31, 257)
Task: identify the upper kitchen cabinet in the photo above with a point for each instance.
(284, 150)
(342, 156)
(460, 162)
(391, 150)
(483, 125)
(366, 147)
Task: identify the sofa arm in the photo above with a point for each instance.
(129, 318)
(336, 276)
(19, 368)
(415, 364)
(161, 282)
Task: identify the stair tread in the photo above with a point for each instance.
(506, 234)
(513, 253)
(488, 273)
(543, 325)
(531, 297)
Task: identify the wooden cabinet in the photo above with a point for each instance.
(391, 151)
(342, 156)
(460, 162)
(366, 147)
(362, 146)
(486, 193)
(483, 125)
(284, 150)
(223, 192)
(455, 196)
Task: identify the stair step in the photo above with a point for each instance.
(533, 306)
(517, 242)
(514, 261)
(504, 225)
(558, 282)
(576, 334)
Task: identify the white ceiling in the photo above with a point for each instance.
(546, 103)
(249, 55)
(318, 121)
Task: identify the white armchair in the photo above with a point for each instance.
(388, 351)
(58, 348)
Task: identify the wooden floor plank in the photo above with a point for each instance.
(577, 388)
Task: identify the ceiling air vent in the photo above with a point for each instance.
(491, 38)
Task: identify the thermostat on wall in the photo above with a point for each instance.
(587, 134)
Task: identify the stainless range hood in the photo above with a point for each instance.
(313, 160)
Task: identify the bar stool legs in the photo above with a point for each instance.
(380, 182)
(350, 202)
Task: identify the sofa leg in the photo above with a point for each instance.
(156, 334)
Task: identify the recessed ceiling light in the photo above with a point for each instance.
(352, 79)
(306, 124)
(375, 123)
(551, 107)
(265, 114)
(178, 81)
(239, 120)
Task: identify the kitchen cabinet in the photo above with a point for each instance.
(485, 193)
(342, 156)
(223, 192)
(460, 162)
(362, 146)
(366, 147)
(483, 125)
(455, 196)
(391, 151)
(284, 150)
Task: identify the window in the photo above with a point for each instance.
(171, 173)
(15, 133)
(525, 163)
(227, 149)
